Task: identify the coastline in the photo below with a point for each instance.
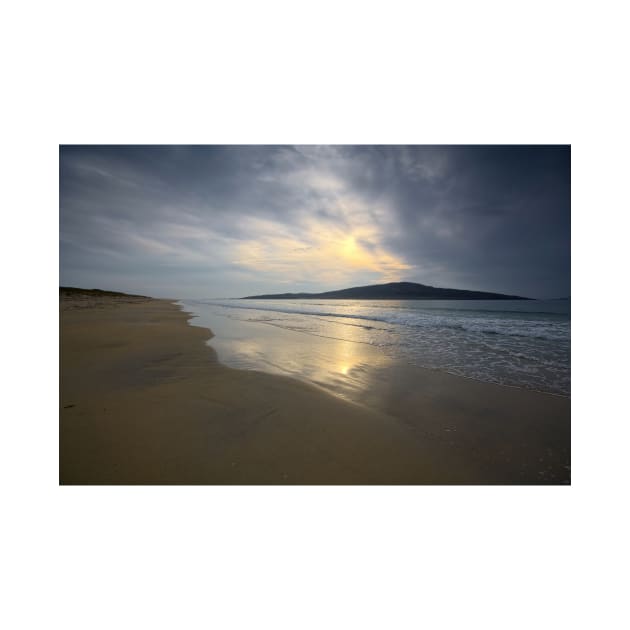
(511, 346)
(144, 400)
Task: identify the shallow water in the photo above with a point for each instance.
(336, 343)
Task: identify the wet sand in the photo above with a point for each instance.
(145, 401)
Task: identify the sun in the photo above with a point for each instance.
(349, 247)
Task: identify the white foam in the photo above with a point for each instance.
(525, 349)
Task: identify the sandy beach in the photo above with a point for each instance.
(144, 400)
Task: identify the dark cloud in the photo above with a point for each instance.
(495, 217)
(220, 221)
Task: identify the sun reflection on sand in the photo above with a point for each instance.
(343, 366)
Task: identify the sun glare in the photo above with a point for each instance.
(346, 242)
(349, 247)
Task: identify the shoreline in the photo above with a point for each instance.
(520, 350)
(145, 400)
(412, 366)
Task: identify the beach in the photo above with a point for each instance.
(145, 400)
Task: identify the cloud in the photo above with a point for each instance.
(210, 221)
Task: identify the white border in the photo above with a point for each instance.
(343, 72)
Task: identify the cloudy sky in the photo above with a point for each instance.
(228, 221)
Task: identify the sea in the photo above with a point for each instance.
(334, 343)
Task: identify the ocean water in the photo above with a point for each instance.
(332, 342)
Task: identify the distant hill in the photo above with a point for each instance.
(391, 291)
(75, 291)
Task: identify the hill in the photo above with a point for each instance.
(75, 291)
(391, 291)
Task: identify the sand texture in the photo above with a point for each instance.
(143, 400)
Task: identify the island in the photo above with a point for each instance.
(391, 291)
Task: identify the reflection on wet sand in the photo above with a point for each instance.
(341, 366)
(524, 432)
